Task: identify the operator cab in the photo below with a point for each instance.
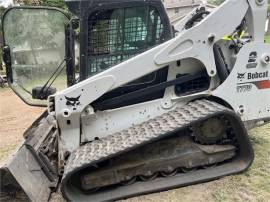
(39, 45)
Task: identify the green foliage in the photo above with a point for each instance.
(50, 3)
(53, 3)
(267, 38)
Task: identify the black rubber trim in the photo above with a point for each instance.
(199, 14)
(222, 66)
(111, 103)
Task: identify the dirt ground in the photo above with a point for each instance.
(253, 185)
(15, 118)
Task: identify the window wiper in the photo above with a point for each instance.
(42, 93)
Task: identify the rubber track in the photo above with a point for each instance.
(139, 135)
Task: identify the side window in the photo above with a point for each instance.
(115, 35)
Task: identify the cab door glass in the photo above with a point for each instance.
(36, 41)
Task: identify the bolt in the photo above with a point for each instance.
(267, 59)
(212, 72)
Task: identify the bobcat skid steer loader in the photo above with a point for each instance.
(135, 106)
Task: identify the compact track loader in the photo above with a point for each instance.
(134, 105)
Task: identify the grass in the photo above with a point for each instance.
(253, 185)
(267, 38)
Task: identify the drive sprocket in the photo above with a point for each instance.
(210, 131)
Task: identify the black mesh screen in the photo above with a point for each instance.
(115, 35)
(196, 85)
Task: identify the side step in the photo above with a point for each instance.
(145, 133)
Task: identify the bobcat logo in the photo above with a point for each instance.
(73, 101)
(241, 76)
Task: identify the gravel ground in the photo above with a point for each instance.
(253, 185)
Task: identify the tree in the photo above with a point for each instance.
(51, 3)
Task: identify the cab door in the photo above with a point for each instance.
(34, 52)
